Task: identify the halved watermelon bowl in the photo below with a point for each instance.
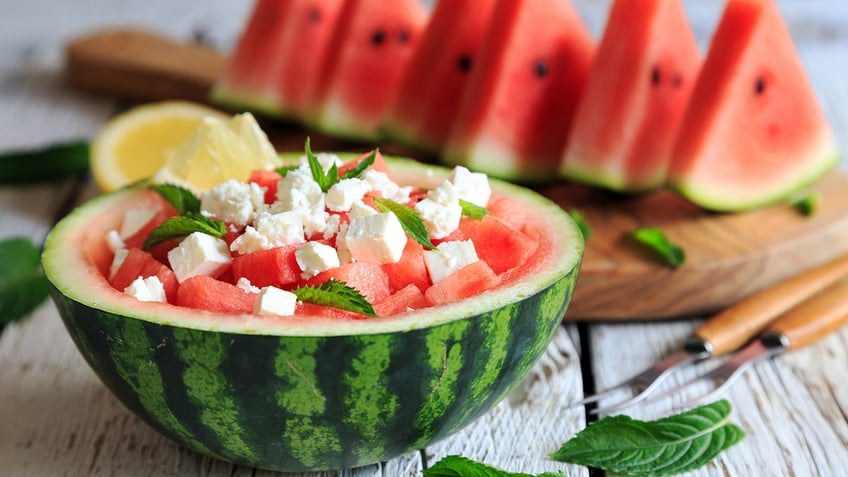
(311, 392)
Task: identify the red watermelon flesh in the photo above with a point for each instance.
(626, 121)
(368, 53)
(754, 132)
(206, 293)
(516, 113)
(426, 103)
(273, 267)
(250, 77)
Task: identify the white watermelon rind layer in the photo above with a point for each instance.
(74, 275)
(745, 196)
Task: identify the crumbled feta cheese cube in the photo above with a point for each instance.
(377, 238)
(244, 284)
(331, 227)
(443, 194)
(471, 186)
(199, 254)
(117, 261)
(383, 186)
(441, 220)
(344, 193)
(361, 209)
(315, 257)
(275, 301)
(341, 245)
(298, 191)
(270, 231)
(114, 241)
(147, 289)
(233, 201)
(326, 159)
(448, 258)
(134, 220)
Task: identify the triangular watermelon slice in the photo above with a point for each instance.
(274, 66)
(370, 49)
(754, 132)
(426, 103)
(518, 105)
(250, 78)
(625, 124)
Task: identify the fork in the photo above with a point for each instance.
(800, 326)
(728, 330)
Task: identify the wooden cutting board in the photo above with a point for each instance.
(728, 256)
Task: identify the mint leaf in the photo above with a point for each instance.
(360, 168)
(285, 170)
(578, 219)
(180, 198)
(655, 240)
(671, 445)
(51, 162)
(457, 466)
(808, 204)
(472, 210)
(335, 294)
(22, 283)
(324, 179)
(183, 225)
(411, 222)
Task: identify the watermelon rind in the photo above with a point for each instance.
(310, 393)
(754, 192)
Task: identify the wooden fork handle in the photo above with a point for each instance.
(734, 327)
(815, 317)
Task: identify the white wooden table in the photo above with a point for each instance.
(56, 418)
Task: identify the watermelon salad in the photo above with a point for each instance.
(282, 233)
(519, 89)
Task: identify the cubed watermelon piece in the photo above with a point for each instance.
(408, 297)
(273, 267)
(368, 278)
(139, 263)
(305, 309)
(268, 180)
(500, 245)
(206, 293)
(508, 211)
(379, 164)
(466, 282)
(410, 269)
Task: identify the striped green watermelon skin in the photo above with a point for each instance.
(297, 403)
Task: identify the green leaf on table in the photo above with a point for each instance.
(182, 225)
(325, 179)
(22, 283)
(44, 163)
(472, 210)
(335, 294)
(361, 167)
(667, 446)
(578, 219)
(458, 466)
(807, 205)
(655, 240)
(411, 222)
(180, 198)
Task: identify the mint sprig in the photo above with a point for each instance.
(182, 225)
(411, 222)
(654, 240)
(22, 283)
(472, 210)
(361, 167)
(458, 466)
(335, 294)
(807, 205)
(325, 179)
(180, 198)
(667, 446)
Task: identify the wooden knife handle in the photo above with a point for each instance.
(141, 65)
(815, 317)
(735, 326)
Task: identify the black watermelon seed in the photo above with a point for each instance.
(655, 75)
(378, 38)
(314, 15)
(677, 81)
(541, 68)
(463, 62)
(403, 36)
(760, 85)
